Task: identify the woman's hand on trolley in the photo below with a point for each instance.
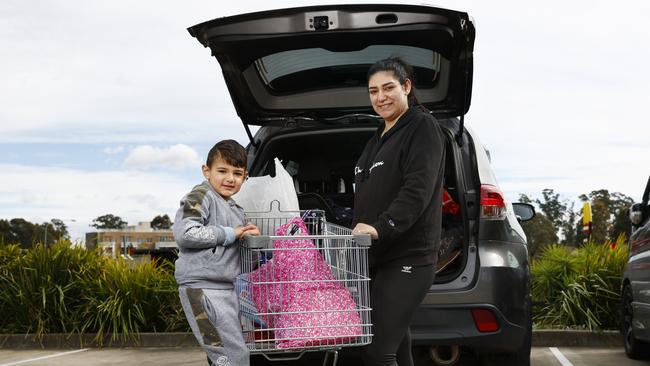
(362, 228)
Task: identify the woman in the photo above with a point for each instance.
(398, 200)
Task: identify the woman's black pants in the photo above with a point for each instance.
(395, 293)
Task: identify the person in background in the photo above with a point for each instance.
(398, 201)
(208, 228)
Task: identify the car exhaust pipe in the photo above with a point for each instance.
(444, 355)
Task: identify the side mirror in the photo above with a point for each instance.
(636, 214)
(523, 211)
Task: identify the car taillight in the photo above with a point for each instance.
(485, 320)
(493, 206)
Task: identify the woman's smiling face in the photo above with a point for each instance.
(389, 98)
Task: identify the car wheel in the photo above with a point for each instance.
(521, 357)
(634, 348)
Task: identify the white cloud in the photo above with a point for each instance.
(39, 194)
(585, 169)
(177, 156)
(132, 82)
(113, 150)
(556, 97)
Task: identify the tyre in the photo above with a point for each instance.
(634, 348)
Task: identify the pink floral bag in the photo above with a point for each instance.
(301, 298)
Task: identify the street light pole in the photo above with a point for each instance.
(47, 224)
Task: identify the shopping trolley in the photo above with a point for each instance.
(304, 286)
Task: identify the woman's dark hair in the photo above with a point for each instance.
(402, 71)
(230, 151)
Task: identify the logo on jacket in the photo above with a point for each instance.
(223, 361)
(379, 163)
(406, 269)
(358, 170)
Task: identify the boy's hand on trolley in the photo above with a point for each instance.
(248, 229)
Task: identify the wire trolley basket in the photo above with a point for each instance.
(304, 286)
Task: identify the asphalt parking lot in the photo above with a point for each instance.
(541, 356)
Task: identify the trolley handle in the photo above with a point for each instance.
(362, 240)
(265, 241)
(256, 242)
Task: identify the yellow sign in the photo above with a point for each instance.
(586, 213)
(586, 220)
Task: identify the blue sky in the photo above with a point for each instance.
(110, 107)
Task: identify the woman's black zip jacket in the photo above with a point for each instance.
(398, 190)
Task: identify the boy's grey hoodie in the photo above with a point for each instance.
(204, 232)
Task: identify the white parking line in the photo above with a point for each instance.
(556, 352)
(44, 357)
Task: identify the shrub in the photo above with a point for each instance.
(579, 288)
(551, 271)
(126, 300)
(41, 288)
(67, 289)
(8, 254)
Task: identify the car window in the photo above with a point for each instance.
(288, 71)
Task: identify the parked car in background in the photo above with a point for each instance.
(635, 293)
(300, 75)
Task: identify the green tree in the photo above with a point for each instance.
(621, 223)
(108, 221)
(559, 212)
(600, 214)
(540, 231)
(161, 222)
(552, 207)
(5, 233)
(56, 230)
(24, 232)
(609, 215)
(568, 227)
(60, 229)
(19, 231)
(525, 199)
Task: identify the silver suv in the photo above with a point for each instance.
(300, 74)
(635, 294)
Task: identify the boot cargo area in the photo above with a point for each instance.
(322, 167)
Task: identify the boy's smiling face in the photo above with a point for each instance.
(226, 179)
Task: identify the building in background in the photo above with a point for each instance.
(134, 241)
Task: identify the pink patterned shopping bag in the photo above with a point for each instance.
(318, 317)
(299, 297)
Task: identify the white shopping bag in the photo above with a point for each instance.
(275, 196)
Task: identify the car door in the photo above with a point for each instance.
(289, 65)
(638, 266)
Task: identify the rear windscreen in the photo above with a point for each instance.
(317, 68)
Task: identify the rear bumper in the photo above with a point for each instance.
(455, 326)
(445, 317)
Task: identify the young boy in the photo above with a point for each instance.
(207, 229)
